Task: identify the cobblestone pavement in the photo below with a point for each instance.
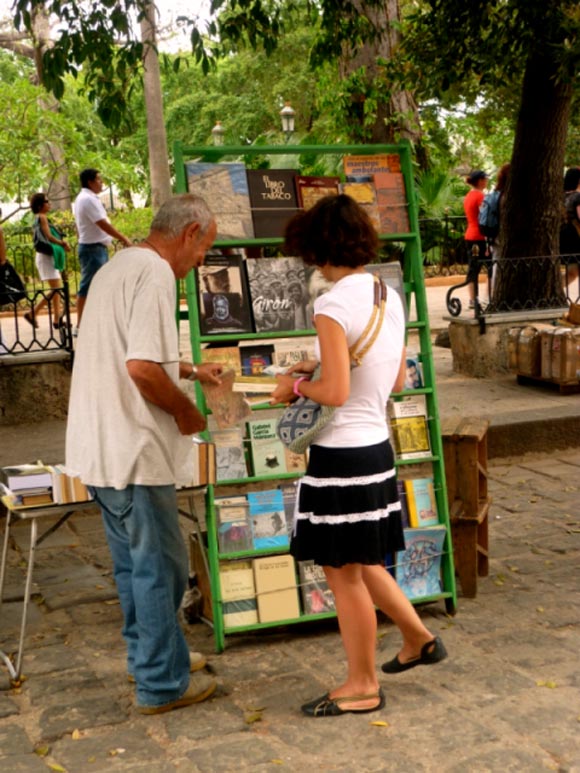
(507, 699)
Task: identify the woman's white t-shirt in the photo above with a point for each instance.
(361, 421)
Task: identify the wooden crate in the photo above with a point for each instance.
(465, 453)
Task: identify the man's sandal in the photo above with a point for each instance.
(330, 707)
(431, 652)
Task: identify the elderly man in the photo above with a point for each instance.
(126, 418)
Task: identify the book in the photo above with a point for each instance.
(316, 595)
(418, 567)
(410, 430)
(289, 491)
(228, 356)
(229, 452)
(26, 476)
(391, 202)
(268, 519)
(275, 579)
(195, 463)
(291, 351)
(316, 285)
(35, 499)
(227, 406)
(61, 487)
(421, 502)
(268, 451)
(311, 189)
(392, 275)
(413, 371)
(257, 376)
(404, 506)
(224, 303)
(224, 187)
(233, 524)
(273, 200)
(365, 195)
(363, 167)
(294, 462)
(278, 294)
(238, 592)
(79, 490)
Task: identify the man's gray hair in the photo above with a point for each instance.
(180, 211)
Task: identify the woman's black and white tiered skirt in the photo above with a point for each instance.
(348, 509)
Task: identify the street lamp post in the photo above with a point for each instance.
(287, 115)
(217, 133)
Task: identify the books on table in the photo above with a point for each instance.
(224, 187)
(277, 593)
(278, 294)
(268, 519)
(273, 200)
(409, 427)
(418, 567)
(238, 592)
(26, 476)
(363, 167)
(224, 303)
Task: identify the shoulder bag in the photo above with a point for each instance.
(41, 243)
(303, 419)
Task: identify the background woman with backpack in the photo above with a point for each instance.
(490, 215)
(473, 236)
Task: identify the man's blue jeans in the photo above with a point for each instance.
(92, 257)
(150, 564)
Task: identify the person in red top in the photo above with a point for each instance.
(473, 236)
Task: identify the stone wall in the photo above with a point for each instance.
(479, 354)
(34, 392)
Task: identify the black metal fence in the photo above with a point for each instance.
(21, 332)
(520, 284)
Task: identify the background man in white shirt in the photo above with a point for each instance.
(94, 231)
(126, 421)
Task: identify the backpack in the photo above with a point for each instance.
(489, 215)
(12, 289)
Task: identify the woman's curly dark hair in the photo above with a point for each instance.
(336, 230)
(37, 202)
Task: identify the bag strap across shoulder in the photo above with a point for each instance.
(358, 350)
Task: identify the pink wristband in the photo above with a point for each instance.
(297, 383)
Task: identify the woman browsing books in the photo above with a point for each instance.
(348, 516)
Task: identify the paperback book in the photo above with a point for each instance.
(365, 195)
(234, 531)
(418, 567)
(392, 203)
(275, 578)
(229, 450)
(316, 595)
(268, 519)
(224, 303)
(404, 505)
(291, 351)
(228, 356)
(268, 451)
(392, 275)
(224, 187)
(227, 406)
(413, 371)
(238, 592)
(278, 294)
(362, 167)
(421, 502)
(289, 491)
(312, 189)
(273, 200)
(409, 427)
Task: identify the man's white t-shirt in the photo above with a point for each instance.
(361, 421)
(114, 436)
(88, 209)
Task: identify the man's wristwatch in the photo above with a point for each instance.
(193, 375)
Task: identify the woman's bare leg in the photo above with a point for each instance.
(387, 595)
(358, 629)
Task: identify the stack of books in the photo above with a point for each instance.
(28, 485)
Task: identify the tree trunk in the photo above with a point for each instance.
(156, 136)
(396, 114)
(57, 185)
(532, 207)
